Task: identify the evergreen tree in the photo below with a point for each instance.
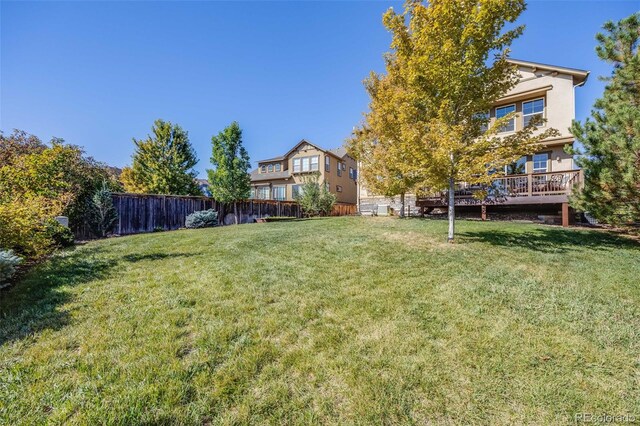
(611, 140)
(314, 197)
(229, 180)
(103, 214)
(163, 163)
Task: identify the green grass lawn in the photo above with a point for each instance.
(338, 320)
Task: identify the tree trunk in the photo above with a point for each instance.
(235, 211)
(452, 209)
(402, 205)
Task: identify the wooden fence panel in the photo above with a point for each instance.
(138, 213)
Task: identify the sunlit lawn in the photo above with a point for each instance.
(338, 320)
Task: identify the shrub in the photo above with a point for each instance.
(60, 235)
(23, 224)
(202, 219)
(101, 213)
(8, 263)
(314, 198)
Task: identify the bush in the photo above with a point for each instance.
(101, 214)
(202, 219)
(60, 235)
(314, 198)
(8, 263)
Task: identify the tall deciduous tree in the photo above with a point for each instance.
(447, 66)
(611, 157)
(229, 180)
(163, 163)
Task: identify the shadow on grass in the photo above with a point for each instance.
(32, 304)
(551, 240)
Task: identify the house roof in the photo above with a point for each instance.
(256, 177)
(579, 76)
(338, 152)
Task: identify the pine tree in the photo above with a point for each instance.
(102, 213)
(229, 180)
(447, 66)
(611, 139)
(163, 163)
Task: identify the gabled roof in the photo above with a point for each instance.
(579, 76)
(337, 152)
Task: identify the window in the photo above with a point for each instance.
(279, 193)
(541, 162)
(339, 169)
(253, 193)
(352, 173)
(344, 167)
(263, 192)
(483, 118)
(531, 109)
(327, 186)
(296, 190)
(517, 168)
(270, 168)
(327, 163)
(263, 169)
(306, 164)
(338, 188)
(510, 125)
(278, 167)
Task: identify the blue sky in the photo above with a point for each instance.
(99, 73)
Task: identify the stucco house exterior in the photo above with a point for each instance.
(280, 178)
(540, 181)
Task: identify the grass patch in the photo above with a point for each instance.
(333, 320)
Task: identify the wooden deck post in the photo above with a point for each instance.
(484, 212)
(565, 214)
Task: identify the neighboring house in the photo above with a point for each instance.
(536, 183)
(203, 184)
(281, 178)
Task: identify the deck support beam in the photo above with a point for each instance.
(483, 212)
(565, 214)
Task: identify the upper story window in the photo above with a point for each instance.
(306, 164)
(270, 168)
(263, 169)
(531, 109)
(352, 173)
(278, 166)
(327, 163)
(344, 167)
(517, 168)
(338, 188)
(541, 162)
(502, 111)
(484, 118)
(339, 169)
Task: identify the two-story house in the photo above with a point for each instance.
(538, 182)
(281, 178)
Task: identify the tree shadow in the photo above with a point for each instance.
(32, 304)
(552, 240)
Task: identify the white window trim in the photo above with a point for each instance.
(544, 111)
(533, 162)
(284, 191)
(515, 109)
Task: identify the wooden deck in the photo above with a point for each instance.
(526, 189)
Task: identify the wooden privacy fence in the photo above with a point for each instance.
(138, 213)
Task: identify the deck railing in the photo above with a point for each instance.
(524, 185)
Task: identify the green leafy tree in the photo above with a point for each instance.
(427, 115)
(314, 197)
(229, 180)
(39, 182)
(163, 163)
(103, 214)
(611, 139)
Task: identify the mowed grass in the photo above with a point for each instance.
(332, 321)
